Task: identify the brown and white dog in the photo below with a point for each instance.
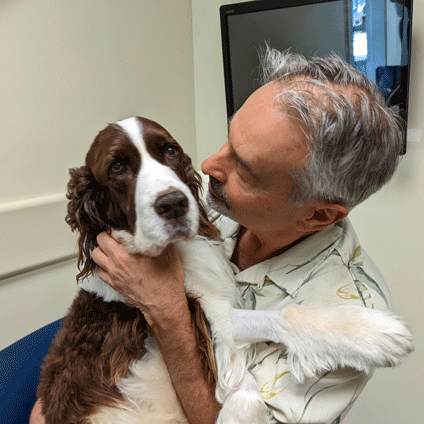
(104, 365)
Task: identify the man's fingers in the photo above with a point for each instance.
(101, 261)
(99, 257)
(107, 243)
(103, 275)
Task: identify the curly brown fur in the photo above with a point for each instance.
(94, 348)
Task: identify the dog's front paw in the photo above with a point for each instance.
(324, 339)
(244, 405)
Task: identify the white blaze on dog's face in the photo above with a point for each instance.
(164, 209)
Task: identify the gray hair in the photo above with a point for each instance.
(354, 139)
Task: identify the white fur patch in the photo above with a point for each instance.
(93, 284)
(149, 394)
(244, 405)
(325, 339)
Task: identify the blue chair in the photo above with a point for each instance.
(20, 371)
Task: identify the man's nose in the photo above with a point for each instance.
(217, 165)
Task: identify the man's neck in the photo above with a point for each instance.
(251, 249)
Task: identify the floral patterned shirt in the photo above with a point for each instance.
(327, 268)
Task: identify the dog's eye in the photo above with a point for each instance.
(171, 152)
(117, 167)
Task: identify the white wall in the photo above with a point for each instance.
(391, 227)
(67, 69)
(390, 224)
(211, 115)
(31, 300)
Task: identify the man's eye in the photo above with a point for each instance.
(241, 172)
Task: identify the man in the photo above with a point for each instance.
(314, 141)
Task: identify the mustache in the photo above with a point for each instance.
(217, 188)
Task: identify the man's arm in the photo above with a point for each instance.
(177, 343)
(156, 287)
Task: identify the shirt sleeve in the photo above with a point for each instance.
(325, 399)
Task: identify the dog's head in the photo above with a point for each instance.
(138, 182)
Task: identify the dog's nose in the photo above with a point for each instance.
(171, 205)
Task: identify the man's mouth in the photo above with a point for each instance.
(215, 189)
(214, 193)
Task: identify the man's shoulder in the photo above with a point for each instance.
(347, 275)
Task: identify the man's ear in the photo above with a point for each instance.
(322, 216)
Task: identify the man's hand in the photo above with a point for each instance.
(154, 285)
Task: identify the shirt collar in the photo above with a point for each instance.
(293, 268)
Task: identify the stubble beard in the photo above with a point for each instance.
(221, 204)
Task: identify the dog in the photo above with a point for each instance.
(104, 365)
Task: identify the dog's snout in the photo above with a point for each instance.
(171, 205)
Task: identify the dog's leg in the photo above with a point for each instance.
(236, 388)
(244, 404)
(256, 326)
(324, 339)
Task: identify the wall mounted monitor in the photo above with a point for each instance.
(372, 35)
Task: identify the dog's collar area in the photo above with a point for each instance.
(95, 285)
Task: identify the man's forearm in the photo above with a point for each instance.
(177, 342)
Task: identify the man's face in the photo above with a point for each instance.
(250, 175)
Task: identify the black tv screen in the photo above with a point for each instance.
(372, 35)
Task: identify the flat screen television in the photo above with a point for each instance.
(372, 35)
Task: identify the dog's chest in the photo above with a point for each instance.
(149, 396)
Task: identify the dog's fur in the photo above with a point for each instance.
(104, 366)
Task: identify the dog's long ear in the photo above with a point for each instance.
(86, 208)
(194, 182)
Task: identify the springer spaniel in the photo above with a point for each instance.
(104, 365)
